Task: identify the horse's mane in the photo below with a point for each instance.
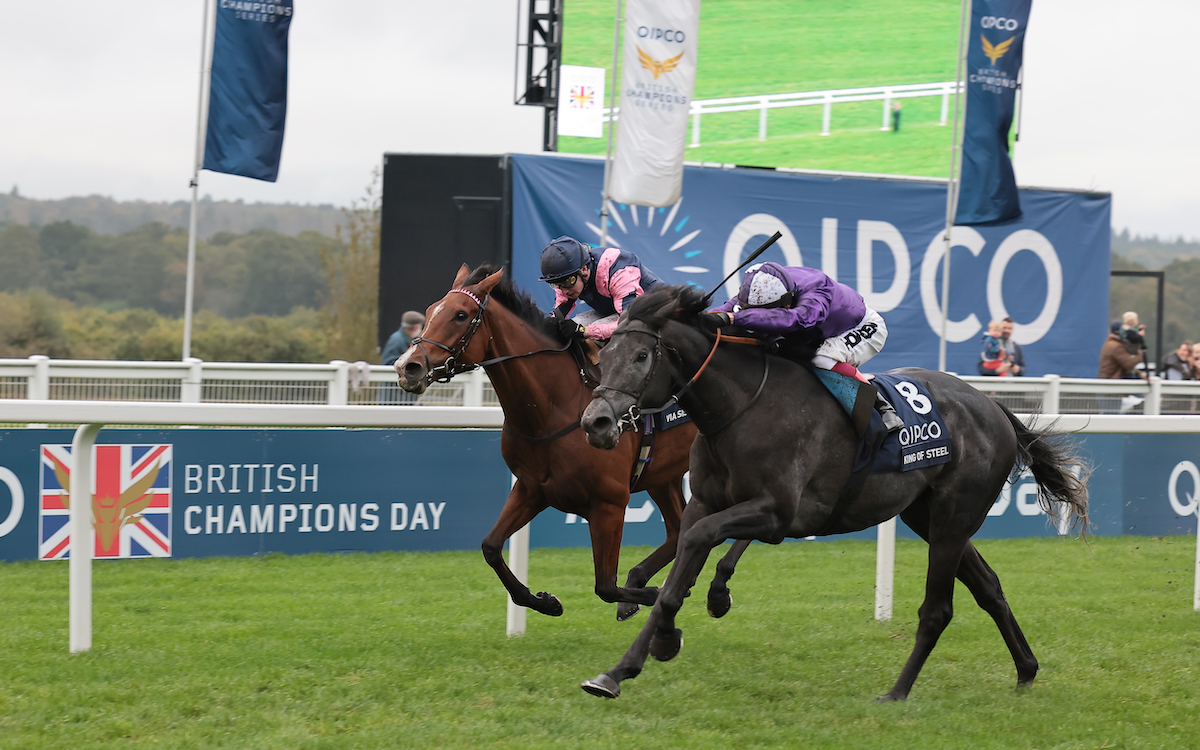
(515, 300)
(682, 302)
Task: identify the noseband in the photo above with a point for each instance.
(450, 368)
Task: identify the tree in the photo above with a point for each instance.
(351, 311)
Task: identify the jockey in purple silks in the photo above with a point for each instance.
(804, 304)
(607, 280)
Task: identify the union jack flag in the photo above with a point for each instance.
(583, 97)
(130, 496)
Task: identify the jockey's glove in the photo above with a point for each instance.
(569, 329)
(713, 321)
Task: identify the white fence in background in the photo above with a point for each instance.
(764, 103)
(344, 383)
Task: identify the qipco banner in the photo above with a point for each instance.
(198, 493)
(1048, 271)
(658, 74)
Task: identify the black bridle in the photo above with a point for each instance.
(452, 366)
(629, 419)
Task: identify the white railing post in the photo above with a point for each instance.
(696, 128)
(1196, 584)
(762, 119)
(82, 538)
(473, 388)
(1153, 406)
(339, 387)
(945, 105)
(1050, 399)
(191, 386)
(38, 385)
(828, 112)
(887, 106)
(518, 562)
(885, 569)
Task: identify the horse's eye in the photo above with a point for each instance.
(460, 316)
(641, 357)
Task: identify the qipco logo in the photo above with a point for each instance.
(994, 22)
(1187, 507)
(667, 35)
(9, 521)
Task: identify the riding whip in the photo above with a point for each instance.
(746, 262)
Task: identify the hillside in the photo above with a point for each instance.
(108, 216)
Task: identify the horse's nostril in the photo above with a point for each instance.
(413, 370)
(601, 424)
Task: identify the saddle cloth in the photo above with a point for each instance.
(924, 439)
(672, 416)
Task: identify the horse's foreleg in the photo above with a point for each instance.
(606, 525)
(520, 508)
(669, 499)
(719, 598)
(698, 534)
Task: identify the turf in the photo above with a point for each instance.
(782, 46)
(407, 650)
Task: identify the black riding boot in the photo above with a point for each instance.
(891, 420)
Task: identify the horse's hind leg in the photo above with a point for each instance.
(519, 509)
(669, 498)
(935, 613)
(719, 598)
(985, 587)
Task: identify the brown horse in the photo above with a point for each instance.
(543, 389)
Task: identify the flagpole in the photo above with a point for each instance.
(198, 162)
(964, 21)
(612, 91)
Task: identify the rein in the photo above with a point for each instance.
(629, 419)
(451, 367)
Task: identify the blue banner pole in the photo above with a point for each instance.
(201, 120)
(952, 184)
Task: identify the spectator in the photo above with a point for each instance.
(1178, 364)
(1016, 355)
(993, 360)
(1118, 357)
(410, 326)
(896, 117)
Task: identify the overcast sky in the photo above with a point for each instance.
(101, 98)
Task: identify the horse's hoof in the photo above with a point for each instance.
(889, 698)
(666, 648)
(719, 606)
(547, 604)
(625, 610)
(602, 687)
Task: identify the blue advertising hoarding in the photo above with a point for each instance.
(1049, 270)
(198, 493)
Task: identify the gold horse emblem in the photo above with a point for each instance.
(656, 67)
(111, 513)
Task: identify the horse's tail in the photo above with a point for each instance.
(1060, 473)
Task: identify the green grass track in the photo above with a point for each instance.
(407, 650)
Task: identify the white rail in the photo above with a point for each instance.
(766, 102)
(344, 383)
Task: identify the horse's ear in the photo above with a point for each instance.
(487, 285)
(463, 273)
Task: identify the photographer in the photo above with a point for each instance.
(1123, 349)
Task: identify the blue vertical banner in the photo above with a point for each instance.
(247, 103)
(995, 47)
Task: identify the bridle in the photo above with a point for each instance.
(452, 366)
(628, 420)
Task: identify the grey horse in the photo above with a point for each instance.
(774, 456)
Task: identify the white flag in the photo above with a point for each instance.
(581, 101)
(657, 78)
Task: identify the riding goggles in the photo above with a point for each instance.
(566, 282)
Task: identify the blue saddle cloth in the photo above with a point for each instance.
(924, 439)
